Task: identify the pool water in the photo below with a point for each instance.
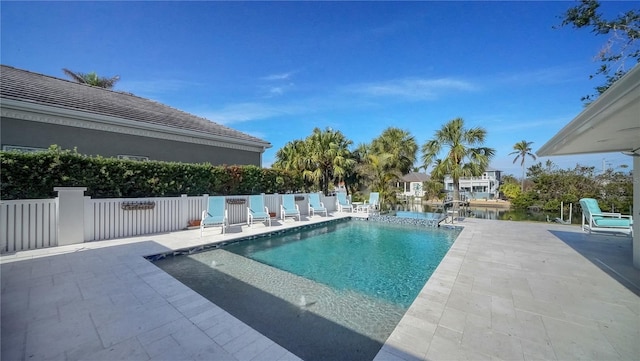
(377, 259)
(334, 291)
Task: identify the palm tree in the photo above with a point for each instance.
(522, 150)
(400, 144)
(290, 157)
(465, 156)
(376, 169)
(356, 180)
(92, 79)
(327, 157)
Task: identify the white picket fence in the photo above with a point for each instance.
(28, 224)
(32, 224)
(110, 218)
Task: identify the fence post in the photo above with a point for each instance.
(89, 219)
(205, 201)
(184, 210)
(70, 215)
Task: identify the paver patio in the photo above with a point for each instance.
(505, 291)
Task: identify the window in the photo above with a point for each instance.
(20, 148)
(140, 158)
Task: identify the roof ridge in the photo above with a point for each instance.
(75, 83)
(56, 78)
(45, 89)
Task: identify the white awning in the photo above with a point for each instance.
(610, 124)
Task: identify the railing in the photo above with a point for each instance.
(31, 224)
(28, 224)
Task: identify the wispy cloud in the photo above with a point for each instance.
(152, 87)
(244, 112)
(552, 75)
(511, 126)
(273, 91)
(276, 90)
(413, 88)
(277, 84)
(279, 76)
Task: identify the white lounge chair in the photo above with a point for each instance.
(342, 202)
(594, 220)
(288, 207)
(315, 206)
(257, 210)
(215, 214)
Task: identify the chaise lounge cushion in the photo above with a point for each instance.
(612, 222)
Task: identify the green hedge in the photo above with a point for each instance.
(34, 175)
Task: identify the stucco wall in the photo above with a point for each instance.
(93, 142)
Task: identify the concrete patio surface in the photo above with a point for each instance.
(505, 291)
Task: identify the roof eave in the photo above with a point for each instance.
(28, 106)
(593, 115)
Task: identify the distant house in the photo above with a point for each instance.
(483, 187)
(38, 110)
(411, 184)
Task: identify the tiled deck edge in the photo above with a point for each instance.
(408, 342)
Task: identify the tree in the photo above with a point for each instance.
(376, 169)
(356, 181)
(291, 156)
(328, 158)
(432, 188)
(622, 45)
(522, 150)
(92, 79)
(508, 178)
(615, 191)
(510, 190)
(400, 145)
(321, 158)
(465, 156)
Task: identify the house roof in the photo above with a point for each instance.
(38, 89)
(610, 124)
(415, 177)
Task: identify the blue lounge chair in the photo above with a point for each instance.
(257, 210)
(372, 204)
(289, 208)
(342, 202)
(315, 206)
(594, 220)
(215, 215)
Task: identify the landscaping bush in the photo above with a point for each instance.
(34, 175)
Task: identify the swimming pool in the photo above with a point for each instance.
(334, 291)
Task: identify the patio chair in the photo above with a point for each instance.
(215, 214)
(289, 208)
(594, 220)
(257, 210)
(372, 204)
(342, 202)
(315, 206)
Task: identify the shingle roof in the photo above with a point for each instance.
(415, 177)
(42, 89)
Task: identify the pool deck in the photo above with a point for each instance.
(504, 291)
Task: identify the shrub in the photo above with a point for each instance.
(34, 175)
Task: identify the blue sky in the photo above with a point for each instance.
(278, 70)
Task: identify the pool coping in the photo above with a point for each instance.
(219, 244)
(488, 302)
(488, 298)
